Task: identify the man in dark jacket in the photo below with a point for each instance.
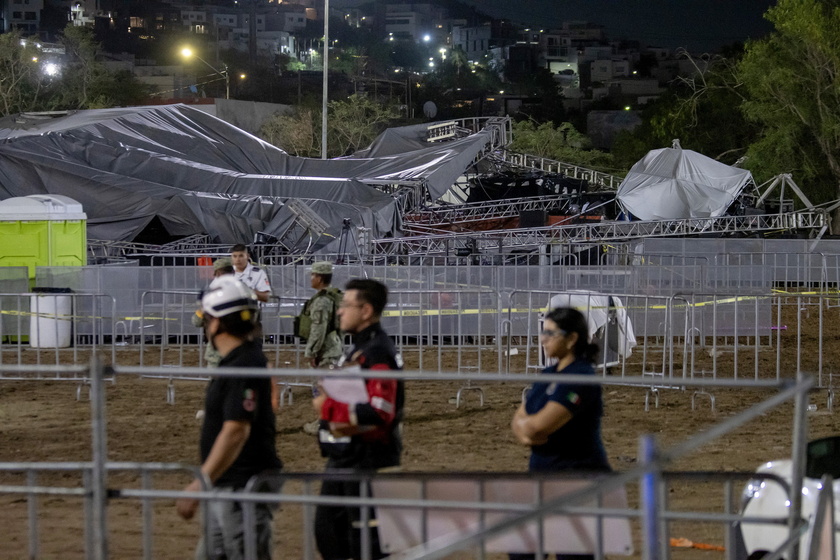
(365, 435)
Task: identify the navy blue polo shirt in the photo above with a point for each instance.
(576, 445)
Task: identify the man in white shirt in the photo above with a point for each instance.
(249, 274)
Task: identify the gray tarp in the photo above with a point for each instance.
(672, 183)
(198, 174)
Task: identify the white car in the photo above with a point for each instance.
(765, 497)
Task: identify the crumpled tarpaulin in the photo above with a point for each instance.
(200, 175)
(672, 184)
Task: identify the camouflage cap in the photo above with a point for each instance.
(221, 263)
(322, 267)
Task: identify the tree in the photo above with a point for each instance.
(702, 110)
(561, 143)
(294, 133)
(79, 81)
(22, 83)
(353, 124)
(791, 79)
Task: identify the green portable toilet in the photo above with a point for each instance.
(42, 230)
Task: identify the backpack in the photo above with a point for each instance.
(303, 322)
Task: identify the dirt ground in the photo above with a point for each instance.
(43, 421)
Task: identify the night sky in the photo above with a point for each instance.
(699, 25)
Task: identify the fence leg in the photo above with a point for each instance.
(800, 435)
(99, 486)
(649, 493)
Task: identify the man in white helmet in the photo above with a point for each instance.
(238, 434)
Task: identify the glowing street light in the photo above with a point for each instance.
(188, 53)
(52, 69)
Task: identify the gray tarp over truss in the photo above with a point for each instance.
(198, 174)
(672, 183)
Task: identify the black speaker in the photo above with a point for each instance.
(533, 218)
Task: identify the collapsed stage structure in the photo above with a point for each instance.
(434, 189)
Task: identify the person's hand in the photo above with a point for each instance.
(530, 441)
(187, 507)
(343, 429)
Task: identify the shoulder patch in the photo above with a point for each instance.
(255, 268)
(249, 400)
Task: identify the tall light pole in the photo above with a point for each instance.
(188, 53)
(326, 79)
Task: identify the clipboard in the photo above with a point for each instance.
(350, 390)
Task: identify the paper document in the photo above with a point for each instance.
(350, 390)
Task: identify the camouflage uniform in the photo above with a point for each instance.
(324, 343)
(211, 355)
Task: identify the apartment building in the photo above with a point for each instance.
(22, 15)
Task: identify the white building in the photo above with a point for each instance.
(83, 12)
(605, 70)
(196, 20)
(474, 41)
(23, 15)
(416, 22)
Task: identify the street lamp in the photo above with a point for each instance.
(326, 82)
(188, 53)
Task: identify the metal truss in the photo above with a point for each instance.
(189, 244)
(470, 213)
(500, 241)
(596, 179)
(412, 193)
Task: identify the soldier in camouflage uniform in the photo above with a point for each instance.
(323, 347)
(221, 267)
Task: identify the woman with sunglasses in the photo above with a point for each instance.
(561, 422)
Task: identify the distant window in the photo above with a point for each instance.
(30, 16)
(17, 15)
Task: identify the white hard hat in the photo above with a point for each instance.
(227, 295)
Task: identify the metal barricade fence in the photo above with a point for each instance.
(664, 274)
(69, 486)
(654, 274)
(496, 517)
(832, 279)
(744, 272)
(281, 346)
(710, 334)
(56, 327)
(634, 332)
(757, 336)
(165, 321)
(445, 330)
